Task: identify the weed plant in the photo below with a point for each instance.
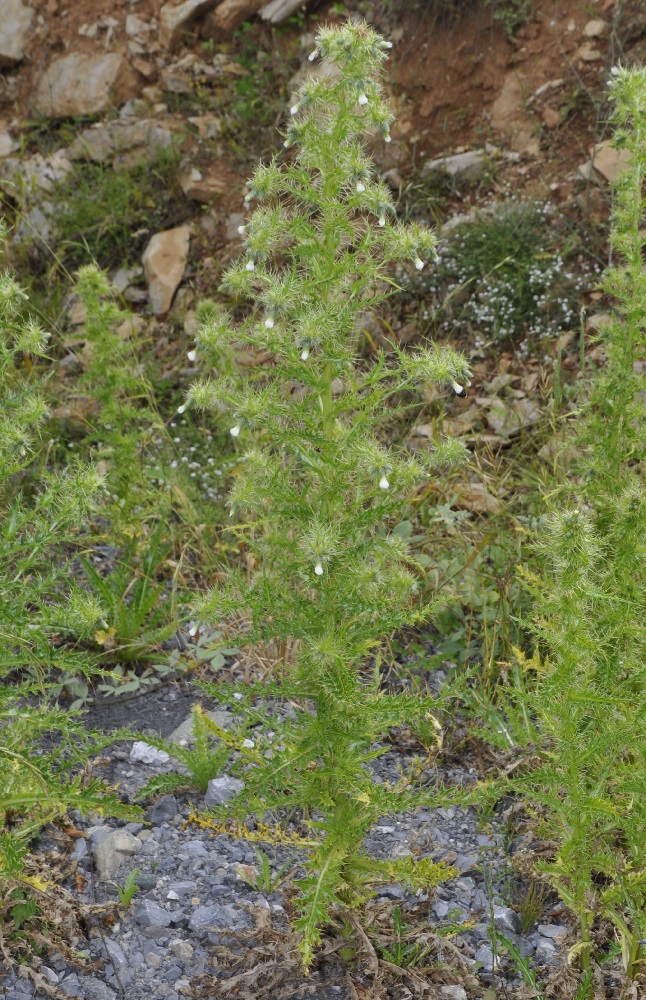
(44, 752)
(581, 698)
(317, 495)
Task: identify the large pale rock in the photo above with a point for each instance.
(79, 84)
(14, 27)
(278, 11)
(112, 850)
(229, 15)
(164, 261)
(175, 19)
(610, 162)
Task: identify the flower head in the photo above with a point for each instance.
(234, 432)
(383, 483)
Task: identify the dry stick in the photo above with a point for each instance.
(373, 960)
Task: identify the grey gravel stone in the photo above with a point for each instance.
(222, 790)
(71, 985)
(506, 920)
(151, 916)
(116, 955)
(218, 917)
(194, 849)
(183, 889)
(146, 882)
(392, 892)
(484, 956)
(95, 989)
(557, 932)
(162, 811)
(80, 850)
(546, 953)
(182, 949)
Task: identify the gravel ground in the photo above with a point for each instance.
(195, 918)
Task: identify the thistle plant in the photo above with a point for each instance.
(318, 491)
(589, 704)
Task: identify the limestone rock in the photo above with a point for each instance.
(595, 28)
(115, 138)
(465, 166)
(610, 162)
(278, 11)
(175, 19)
(79, 84)
(229, 15)
(204, 184)
(14, 26)
(164, 261)
(112, 850)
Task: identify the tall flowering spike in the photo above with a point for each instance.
(319, 489)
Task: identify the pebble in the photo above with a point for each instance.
(221, 790)
(151, 916)
(143, 753)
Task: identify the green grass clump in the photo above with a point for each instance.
(108, 215)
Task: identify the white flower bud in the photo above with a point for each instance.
(457, 389)
(388, 138)
(361, 187)
(193, 631)
(382, 220)
(294, 109)
(269, 323)
(318, 569)
(235, 431)
(191, 355)
(388, 45)
(305, 353)
(250, 266)
(363, 99)
(419, 263)
(312, 56)
(180, 409)
(383, 483)
(241, 230)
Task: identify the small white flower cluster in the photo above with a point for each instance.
(534, 292)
